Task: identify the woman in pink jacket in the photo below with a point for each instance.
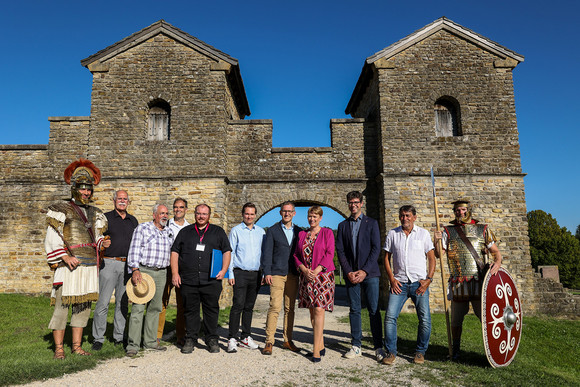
(314, 256)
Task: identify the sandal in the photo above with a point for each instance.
(78, 350)
(58, 352)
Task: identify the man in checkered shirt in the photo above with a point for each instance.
(149, 253)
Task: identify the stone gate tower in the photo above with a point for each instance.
(168, 119)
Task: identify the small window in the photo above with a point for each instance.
(447, 118)
(159, 117)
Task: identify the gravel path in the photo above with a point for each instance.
(250, 367)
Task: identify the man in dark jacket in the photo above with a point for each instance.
(280, 273)
(358, 247)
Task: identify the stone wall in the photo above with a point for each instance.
(482, 165)
(554, 300)
(214, 156)
(200, 101)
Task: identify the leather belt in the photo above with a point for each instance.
(122, 259)
(153, 268)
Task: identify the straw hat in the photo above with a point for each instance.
(143, 292)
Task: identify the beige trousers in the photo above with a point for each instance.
(79, 316)
(284, 288)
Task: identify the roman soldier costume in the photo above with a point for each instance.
(494, 297)
(464, 272)
(74, 231)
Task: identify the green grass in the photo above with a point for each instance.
(547, 356)
(26, 345)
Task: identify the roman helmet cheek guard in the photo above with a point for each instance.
(463, 203)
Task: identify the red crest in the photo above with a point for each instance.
(501, 318)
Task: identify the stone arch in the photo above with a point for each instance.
(304, 202)
(268, 196)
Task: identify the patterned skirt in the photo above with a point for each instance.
(318, 293)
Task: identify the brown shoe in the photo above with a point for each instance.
(267, 349)
(78, 350)
(389, 359)
(290, 345)
(419, 358)
(59, 352)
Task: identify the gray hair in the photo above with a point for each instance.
(117, 192)
(156, 207)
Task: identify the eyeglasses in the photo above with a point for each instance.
(353, 203)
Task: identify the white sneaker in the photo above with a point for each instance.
(232, 345)
(380, 354)
(248, 342)
(354, 352)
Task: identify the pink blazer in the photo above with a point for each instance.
(323, 249)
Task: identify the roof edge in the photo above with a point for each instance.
(446, 24)
(443, 23)
(156, 28)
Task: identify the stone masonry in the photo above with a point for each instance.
(213, 154)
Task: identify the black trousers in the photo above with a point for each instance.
(245, 292)
(206, 295)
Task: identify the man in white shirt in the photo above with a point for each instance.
(410, 247)
(175, 225)
(244, 275)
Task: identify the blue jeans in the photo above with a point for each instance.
(371, 290)
(396, 302)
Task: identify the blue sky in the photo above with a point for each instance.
(300, 61)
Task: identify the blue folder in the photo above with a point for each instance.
(217, 260)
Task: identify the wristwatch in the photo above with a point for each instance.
(430, 279)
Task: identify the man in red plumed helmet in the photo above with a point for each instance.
(74, 238)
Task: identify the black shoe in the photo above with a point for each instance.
(213, 346)
(97, 346)
(189, 346)
(118, 342)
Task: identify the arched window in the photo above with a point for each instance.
(447, 117)
(159, 119)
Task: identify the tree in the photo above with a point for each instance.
(551, 244)
(578, 232)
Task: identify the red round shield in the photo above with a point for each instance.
(501, 318)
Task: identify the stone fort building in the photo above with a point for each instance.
(168, 119)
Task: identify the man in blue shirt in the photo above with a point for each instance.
(244, 275)
(358, 244)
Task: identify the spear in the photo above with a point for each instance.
(443, 279)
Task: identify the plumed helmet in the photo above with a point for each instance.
(82, 174)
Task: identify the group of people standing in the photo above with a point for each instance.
(94, 254)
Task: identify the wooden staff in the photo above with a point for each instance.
(443, 279)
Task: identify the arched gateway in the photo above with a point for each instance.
(167, 120)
